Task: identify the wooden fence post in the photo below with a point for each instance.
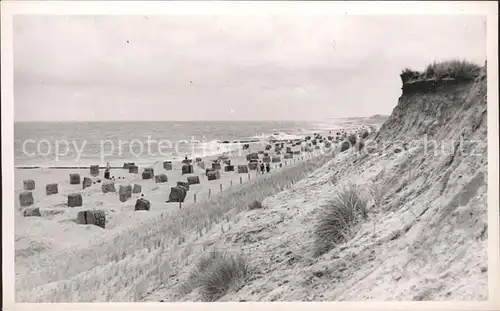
(241, 180)
(209, 192)
(180, 204)
(195, 198)
(220, 187)
(248, 176)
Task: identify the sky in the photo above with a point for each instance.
(281, 67)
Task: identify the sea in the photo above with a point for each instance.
(61, 144)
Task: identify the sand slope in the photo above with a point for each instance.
(425, 240)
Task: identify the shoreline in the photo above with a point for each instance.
(145, 160)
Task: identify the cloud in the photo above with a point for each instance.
(190, 67)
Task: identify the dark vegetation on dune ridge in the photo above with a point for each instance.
(461, 70)
(438, 75)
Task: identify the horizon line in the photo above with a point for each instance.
(132, 120)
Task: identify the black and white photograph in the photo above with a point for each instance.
(279, 155)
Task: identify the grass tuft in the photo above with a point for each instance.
(345, 145)
(255, 205)
(216, 273)
(338, 218)
(364, 134)
(352, 139)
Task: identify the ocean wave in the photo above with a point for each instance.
(279, 136)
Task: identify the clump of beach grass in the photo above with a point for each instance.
(364, 134)
(338, 218)
(255, 205)
(217, 273)
(462, 70)
(352, 139)
(345, 145)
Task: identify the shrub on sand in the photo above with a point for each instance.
(361, 145)
(216, 273)
(352, 139)
(344, 146)
(255, 205)
(337, 219)
(365, 134)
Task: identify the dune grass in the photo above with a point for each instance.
(364, 134)
(255, 205)
(345, 145)
(352, 139)
(215, 274)
(138, 259)
(338, 218)
(456, 69)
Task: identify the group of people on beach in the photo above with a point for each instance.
(264, 168)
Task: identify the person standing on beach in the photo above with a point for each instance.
(261, 168)
(107, 171)
(268, 167)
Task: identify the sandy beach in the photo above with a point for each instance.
(57, 230)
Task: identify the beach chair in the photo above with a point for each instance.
(74, 179)
(75, 200)
(193, 180)
(92, 217)
(162, 178)
(26, 198)
(187, 169)
(213, 175)
(177, 194)
(87, 182)
(51, 189)
(29, 184)
(142, 205)
(32, 212)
